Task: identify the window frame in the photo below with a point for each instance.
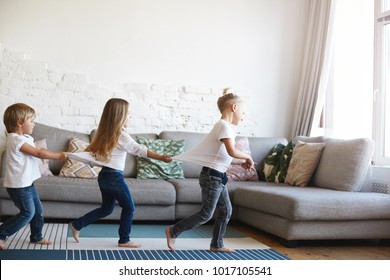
(382, 18)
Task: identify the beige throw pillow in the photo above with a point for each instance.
(76, 169)
(304, 161)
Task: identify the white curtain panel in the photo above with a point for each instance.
(315, 67)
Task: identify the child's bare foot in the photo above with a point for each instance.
(43, 242)
(129, 244)
(170, 239)
(2, 245)
(75, 232)
(222, 249)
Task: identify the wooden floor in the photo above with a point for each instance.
(322, 250)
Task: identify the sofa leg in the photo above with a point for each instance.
(289, 243)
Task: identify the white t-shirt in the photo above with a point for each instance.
(126, 144)
(211, 152)
(21, 169)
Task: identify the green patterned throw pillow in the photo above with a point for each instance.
(284, 162)
(275, 165)
(148, 168)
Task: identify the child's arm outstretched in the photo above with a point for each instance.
(233, 152)
(153, 155)
(41, 152)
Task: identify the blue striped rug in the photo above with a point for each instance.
(249, 254)
(99, 242)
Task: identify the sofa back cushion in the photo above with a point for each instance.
(343, 164)
(308, 139)
(260, 147)
(57, 140)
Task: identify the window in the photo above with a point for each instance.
(348, 88)
(382, 83)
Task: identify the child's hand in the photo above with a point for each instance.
(64, 155)
(166, 158)
(248, 164)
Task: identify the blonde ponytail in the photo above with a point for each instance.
(227, 99)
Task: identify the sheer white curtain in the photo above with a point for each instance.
(316, 67)
(336, 84)
(349, 100)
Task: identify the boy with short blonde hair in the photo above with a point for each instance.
(22, 169)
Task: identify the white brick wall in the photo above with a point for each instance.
(67, 100)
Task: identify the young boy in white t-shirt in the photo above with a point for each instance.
(215, 154)
(22, 169)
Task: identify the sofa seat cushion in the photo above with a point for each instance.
(146, 192)
(311, 203)
(56, 188)
(187, 190)
(151, 191)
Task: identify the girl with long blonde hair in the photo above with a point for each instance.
(109, 147)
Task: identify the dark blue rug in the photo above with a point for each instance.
(263, 254)
(256, 254)
(33, 254)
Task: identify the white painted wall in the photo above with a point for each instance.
(66, 58)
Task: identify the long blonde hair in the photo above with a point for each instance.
(111, 123)
(227, 99)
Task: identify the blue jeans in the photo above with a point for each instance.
(214, 196)
(113, 188)
(31, 211)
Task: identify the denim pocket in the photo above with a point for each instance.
(215, 178)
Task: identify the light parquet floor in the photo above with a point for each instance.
(322, 250)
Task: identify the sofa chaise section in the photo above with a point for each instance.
(296, 213)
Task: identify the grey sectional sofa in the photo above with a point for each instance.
(338, 204)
